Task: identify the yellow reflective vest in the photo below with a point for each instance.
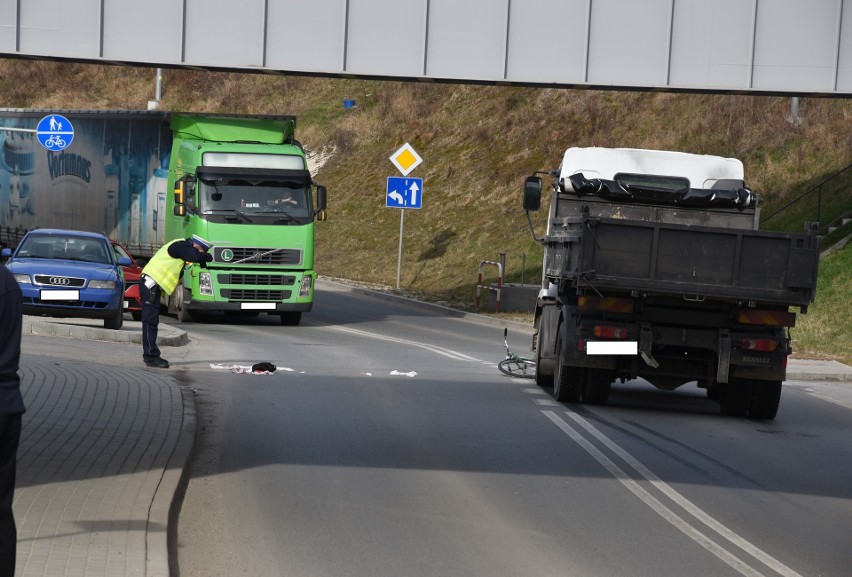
(164, 268)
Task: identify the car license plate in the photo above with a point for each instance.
(60, 295)
(257, 306)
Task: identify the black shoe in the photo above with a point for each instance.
(158, 362)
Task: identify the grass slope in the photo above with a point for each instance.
(478, 143)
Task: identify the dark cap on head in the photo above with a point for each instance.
(201, 242)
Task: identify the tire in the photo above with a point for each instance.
(516, 369)
(291, 319)
(735, 397)
(116, 322)
(542, 380)
(136, 315)
(765, 400)
(568, 381)
(183, 315)
(598, 384)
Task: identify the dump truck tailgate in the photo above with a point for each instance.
(699, 262)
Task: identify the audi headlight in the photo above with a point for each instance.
(205, 284)
(102, 284)
(23, 279)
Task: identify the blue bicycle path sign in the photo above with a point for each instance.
(55, 132)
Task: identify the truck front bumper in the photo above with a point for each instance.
(271, 308)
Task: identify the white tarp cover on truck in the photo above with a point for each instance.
(702, 171)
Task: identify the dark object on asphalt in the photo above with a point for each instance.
(264, 366)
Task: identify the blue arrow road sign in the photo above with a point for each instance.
(55, 132)
(404, 192)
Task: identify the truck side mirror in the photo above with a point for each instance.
(321, 198)
(532, 193)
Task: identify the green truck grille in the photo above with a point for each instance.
(256, 294)
(253, 255)
(256, 279)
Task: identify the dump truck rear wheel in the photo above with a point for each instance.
(542, 380)
(765, 400)
(598, 383)
(735, 397)
(568, 381)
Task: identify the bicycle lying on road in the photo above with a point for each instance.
(515, 365)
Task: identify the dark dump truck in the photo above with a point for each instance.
(655, 268)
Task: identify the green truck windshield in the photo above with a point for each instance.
(258, 202)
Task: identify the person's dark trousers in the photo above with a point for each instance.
(10, 435)
(150, 320)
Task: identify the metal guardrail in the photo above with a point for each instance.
(818, 190)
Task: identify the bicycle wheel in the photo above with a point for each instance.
(516, 368)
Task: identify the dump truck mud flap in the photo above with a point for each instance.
(723, 353)
(645, 343)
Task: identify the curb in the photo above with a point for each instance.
(131, 332)
(169, 495)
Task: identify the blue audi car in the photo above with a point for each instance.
(69, 273)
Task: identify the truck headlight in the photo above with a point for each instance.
(305, 286)
(205, 284)
(102, 284)
(23, 279)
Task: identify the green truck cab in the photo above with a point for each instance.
(243, 184)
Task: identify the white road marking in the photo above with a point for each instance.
(661, 509)
(545, 402)
(435, 349)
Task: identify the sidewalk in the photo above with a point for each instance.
(104, 449)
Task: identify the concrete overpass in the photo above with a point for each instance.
(794, 47)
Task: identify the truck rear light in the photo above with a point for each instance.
(765, 345)
(610, 332)
(766, 318)
(605, 304)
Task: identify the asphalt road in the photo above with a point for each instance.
(388, 444)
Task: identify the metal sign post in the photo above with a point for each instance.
(404, 192)
(399, 254)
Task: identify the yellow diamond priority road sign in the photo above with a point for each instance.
(405, 159)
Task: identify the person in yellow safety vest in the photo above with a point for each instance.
(162, 273)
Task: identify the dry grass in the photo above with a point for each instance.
(478, 143)
(826, 331)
